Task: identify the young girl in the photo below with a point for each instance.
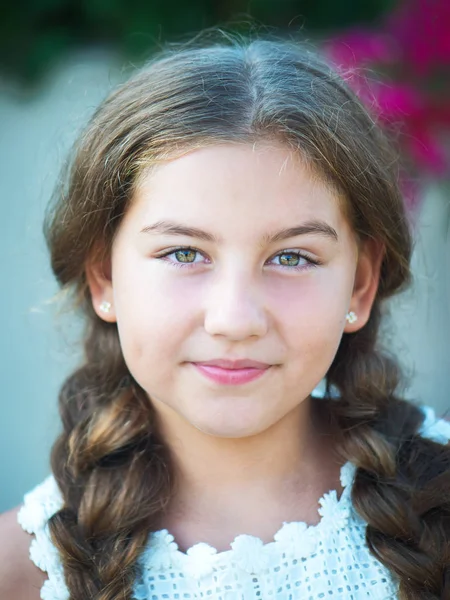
(230, 228)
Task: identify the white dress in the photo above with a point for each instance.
(328, 560)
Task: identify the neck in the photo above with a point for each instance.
(277, 463)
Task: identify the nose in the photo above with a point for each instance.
(235, 308)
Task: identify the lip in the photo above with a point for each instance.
(242, 363)
(234, 376)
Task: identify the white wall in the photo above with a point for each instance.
(35, 136)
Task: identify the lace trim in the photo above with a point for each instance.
(39, 505)
(294, 539)
(434, 429)
(162, 551)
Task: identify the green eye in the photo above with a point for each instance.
(288, 259)
(292, 261)
(183, 255)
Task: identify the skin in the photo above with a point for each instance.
(250, 456)
(19, 577)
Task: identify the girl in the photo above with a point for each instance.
(230, 229)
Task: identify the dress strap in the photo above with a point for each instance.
(39, 505)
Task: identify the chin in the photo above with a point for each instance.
(232, 426)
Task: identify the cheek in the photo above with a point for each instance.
(318, 297)
(311, 314)
(154, 312)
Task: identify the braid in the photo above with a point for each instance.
(112, 470)
(402, 482)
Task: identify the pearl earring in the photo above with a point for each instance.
(105, 306)
(351, 317)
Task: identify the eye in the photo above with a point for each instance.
(293, 259)
(184, 255)
(289, 259)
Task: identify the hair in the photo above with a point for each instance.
(114, 470)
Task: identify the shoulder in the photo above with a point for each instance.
(30, 566)
(19, 577)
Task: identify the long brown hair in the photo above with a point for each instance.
(114, 471)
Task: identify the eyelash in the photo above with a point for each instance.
(312, 262)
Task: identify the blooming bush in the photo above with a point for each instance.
(410, 52)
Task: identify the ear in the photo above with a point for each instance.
(99, 280)
(367, 277)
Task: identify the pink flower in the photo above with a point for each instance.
(411, 53)
(421, 28)
(400, 100)
(362, 46)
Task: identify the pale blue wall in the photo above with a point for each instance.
(35, 136)
(421, 316)
(34, 139)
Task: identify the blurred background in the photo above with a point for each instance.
(59, 58)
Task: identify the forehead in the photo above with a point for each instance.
(236, 186)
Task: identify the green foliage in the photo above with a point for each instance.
(35, 34)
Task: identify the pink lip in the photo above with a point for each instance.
(234, 376)
(234, 364)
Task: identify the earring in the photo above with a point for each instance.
(105, 306)
(351, 317)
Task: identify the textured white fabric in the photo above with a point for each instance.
(327, 560)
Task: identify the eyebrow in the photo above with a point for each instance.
(316, 227)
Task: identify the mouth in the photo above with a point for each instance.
(231, 376)
(242, 363)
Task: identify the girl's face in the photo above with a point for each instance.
(206, 265)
